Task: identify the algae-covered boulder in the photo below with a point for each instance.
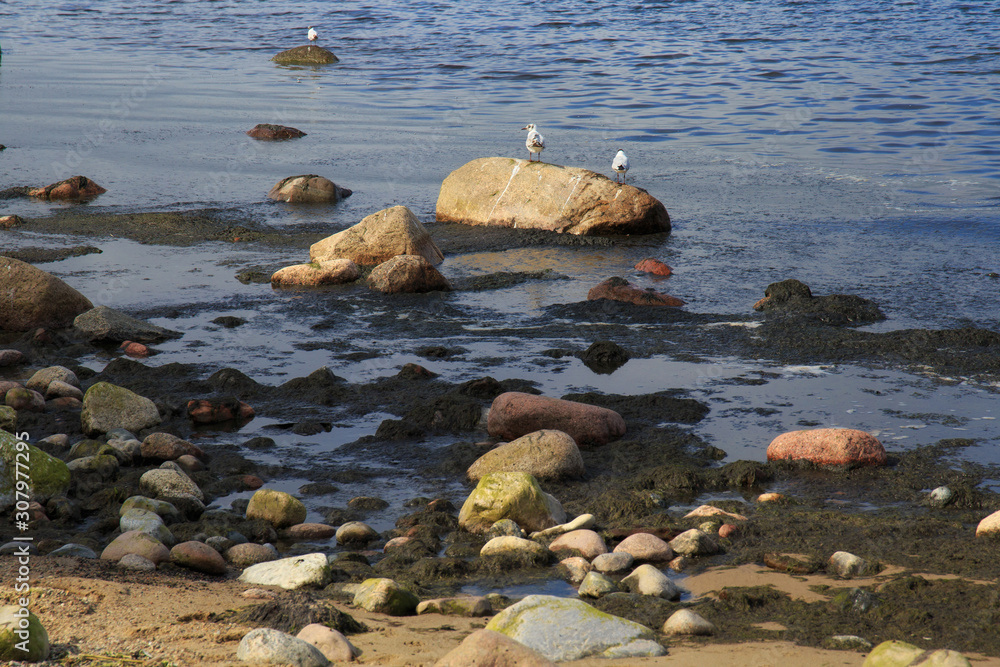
(107, 406)
(385, 596)
(510, 495)
(308, 54)
(31, 298)
(896, 653)
(546, 454)
(279, 508)
(47, 476)
(22, 635)
(378, 238)
(564, 629)
(509, 192)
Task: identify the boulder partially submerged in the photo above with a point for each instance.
(378, 238)
(74, 188)
(307, 54)
(271, 132)
(33, 298)
(508, 192)
(308, 189)
(792, 297)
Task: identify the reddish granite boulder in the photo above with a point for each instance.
(198, 556)
(308, 189)
(77, 187)
(828, 446)
(213, 412)
(269, 132)
(654, 266)
(324, 272)
(619, 289)
(168, 447)
(33, 298)
(514, 414)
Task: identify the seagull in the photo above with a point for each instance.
(620, 165)
(535, 142)
(313, 35)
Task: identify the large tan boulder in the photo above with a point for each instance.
(378, 238)
(546, 454)
(308, 189)
(31, 298)
(508, 192)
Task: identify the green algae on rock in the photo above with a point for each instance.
(308, 54)
(47, 475)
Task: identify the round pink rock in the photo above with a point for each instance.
(310, 531)
(645, 547)
(828, 446)
(136, 542)
(514, 414)
(198, 556)
(587, 542)
(654, 266)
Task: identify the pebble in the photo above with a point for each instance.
(940, 496)
(136, 562)
(355, 533)
(514, 545)
(331, 643)
(250, 553)
(505, 528)
(694, 542)
(846, 565)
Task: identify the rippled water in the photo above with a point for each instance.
(851, 144)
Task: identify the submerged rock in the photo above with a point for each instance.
(619, 289)
(308, 54)
(270, 132)
(308, 189)
(828, 446)
(378, 238)
(34, 298)
(654, 266)
(794, 297)
(563, 629)
(75, 187)
(508, 192)
(514, 414)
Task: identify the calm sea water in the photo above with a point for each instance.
(852, 144)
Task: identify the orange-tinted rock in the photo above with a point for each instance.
(326, 272)
(828, 446)
(198, 556)
(308, 189)
(135, 350)
(654, 266)
(407, 273)
(514, 414)
(10, 221)
(251, 482)
(269, 132)
(486, 648)
(168, 447)
(413, 371)
(223, 410)
(728, 530)
(76, 187)
(619, 289)
(310, 531)
(378, 238)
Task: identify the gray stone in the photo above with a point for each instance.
(250, 553)
(109, 325)
(290, 573)
(74, 550)
(268, 646)
(694, 542)
(846, 565)
(504, 528)
(596, 585)
(162, 482)
(41, 380)
(355, 532)
(940, 496)
(90, 474)
(385, 596)
(564, 629)
(161, 508)
(613, 562)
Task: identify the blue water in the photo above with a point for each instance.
(852, 144)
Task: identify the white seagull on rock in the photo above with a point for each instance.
(313, 35)
(535, 142)
(620, 165)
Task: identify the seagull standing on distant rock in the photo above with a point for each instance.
(535, 142)
(620, 165)
(313, 35)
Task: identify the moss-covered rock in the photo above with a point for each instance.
(22, 635)
(47, 476)
(308, 54)
(385, 596)
(8, 419)
(107, 406)
(279, 508)
(510, 495)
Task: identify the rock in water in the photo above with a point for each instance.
(514, 414)
(828, 446)
(31, 298)
(271, 132)
(75, 188)
(309, 54)
(563, 629)
(508, 192)
(619, 289)
(308, 189)
(378, 238)
(407, 273)
(327, 272)
(109, 325)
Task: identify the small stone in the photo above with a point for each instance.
(515, 545)
(654, 266)
(487, 648)
(356, 533)
(75, 550)
(289, 573)
(271, 132)
(645, 547)
(468, 606)
(198, 556)
(576, 568)
(136, 542)
(22, 635)
(847, 643)
(940, 496)
(770, 498)
(504, 528)
(728, 530)
(613, 562)
(277, 507)
(137, 563)
(828, 446)
(250, 553)
(259, 594)
(687, 622)
(989, 526)
(385, 596)
(331, 643)
(588, 543)
(694, 542)
(265, 645)
(596, 585)
(648, 580)
(710, 511)
(846, 565)
(168, 447)
(310, 531)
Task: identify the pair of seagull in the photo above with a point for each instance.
(536, 144)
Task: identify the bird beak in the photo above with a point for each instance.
(524, 128)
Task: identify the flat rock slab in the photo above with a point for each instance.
(308, 54)
(109, 325)
(508, 192)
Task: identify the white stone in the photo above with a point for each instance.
(648, 580)
(275, 647)
(290, 573)
(687, 622)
